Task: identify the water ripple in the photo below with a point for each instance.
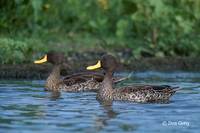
(25, 107)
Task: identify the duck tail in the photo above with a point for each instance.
(124, 78)
(174, 89)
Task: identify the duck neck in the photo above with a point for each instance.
(54, 78)
(105, 92)
(107, 82)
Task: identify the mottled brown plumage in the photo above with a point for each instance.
(84, 81)
(143, 93)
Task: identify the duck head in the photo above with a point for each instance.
(107, 63)
(58, 60)
(55, 58)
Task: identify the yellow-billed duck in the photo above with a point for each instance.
(84, 81)
(143, 93)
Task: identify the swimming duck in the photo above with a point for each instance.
(84, 81)
(143, 93)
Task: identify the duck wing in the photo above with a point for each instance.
(82, 77)
(85, 76)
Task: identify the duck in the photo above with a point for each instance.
(139, 93)
(82, 81)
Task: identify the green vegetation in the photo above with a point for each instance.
(153, 28)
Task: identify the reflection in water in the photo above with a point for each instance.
(55, 95)
(101, 121)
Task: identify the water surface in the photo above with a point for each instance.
(26, 108)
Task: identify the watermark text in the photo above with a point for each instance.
(176, 123)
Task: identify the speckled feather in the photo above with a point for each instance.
(72, 83)
(84, 81)
(88, 85)
(146, 93)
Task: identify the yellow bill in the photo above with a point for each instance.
(44, 59)
(98, 65)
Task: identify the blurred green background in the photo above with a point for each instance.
(141, 28)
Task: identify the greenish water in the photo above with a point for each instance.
(26, 108)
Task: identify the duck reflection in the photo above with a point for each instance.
(102, 121)
(55, 95)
